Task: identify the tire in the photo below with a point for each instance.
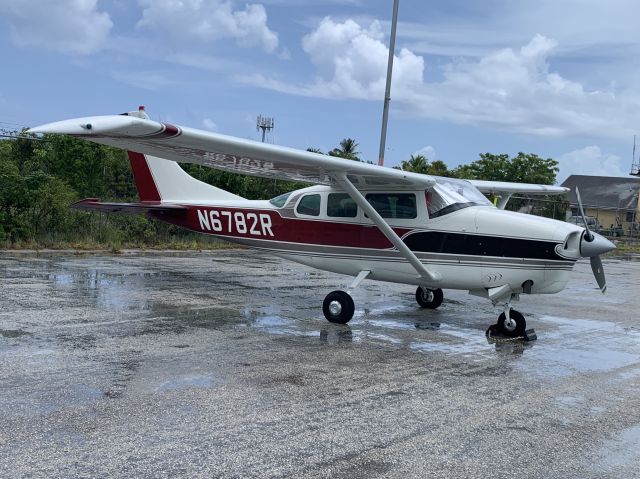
(429, 298)
(520, 326)
(338, 307)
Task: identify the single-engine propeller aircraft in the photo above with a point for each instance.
(357, 219)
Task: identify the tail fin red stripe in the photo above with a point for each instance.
(147, 189)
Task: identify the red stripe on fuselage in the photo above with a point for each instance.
(269, 225)
(146, 185)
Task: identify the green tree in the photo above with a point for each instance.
(421, 164)
(416, 164)
(348, 149)
(523, 168)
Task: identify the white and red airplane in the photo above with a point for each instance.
(358, 219)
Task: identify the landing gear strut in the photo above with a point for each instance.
(338, 307)
(429, 298)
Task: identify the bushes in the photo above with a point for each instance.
(40, 179)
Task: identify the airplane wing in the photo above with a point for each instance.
(94, 204)
(189, 145)
(504, 187)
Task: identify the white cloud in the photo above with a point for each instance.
(146, 80)
(427, 151)
(351, 62)
(593, 23)
(210, 20)
(515, 90)
(507, 89)
(209, 124)
(67, 26)
(590, 160)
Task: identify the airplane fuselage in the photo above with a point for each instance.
(360, 220)
(473, 248)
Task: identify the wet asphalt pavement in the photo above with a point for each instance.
(221, 364)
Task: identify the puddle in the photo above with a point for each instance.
(618, 453)
(45, 402)
(585, 345)
(13, 333)
(569, 400)
(188, 382)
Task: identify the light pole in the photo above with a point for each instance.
(387, 92)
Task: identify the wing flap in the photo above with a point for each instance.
(94, 204)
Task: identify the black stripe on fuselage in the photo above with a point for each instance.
(480, 245)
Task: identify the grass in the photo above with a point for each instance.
(628, 248)
(176, 244)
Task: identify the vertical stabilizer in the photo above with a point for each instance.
(158, 179)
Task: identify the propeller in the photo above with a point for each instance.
(598, 272)
(587, 235)
(592, 245)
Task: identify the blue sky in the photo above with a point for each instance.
(556, 78)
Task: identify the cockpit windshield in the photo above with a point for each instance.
(449, 195)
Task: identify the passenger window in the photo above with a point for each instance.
(340, 205)
(394, 205)
(309, 205)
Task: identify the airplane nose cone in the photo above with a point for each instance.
(597, 246)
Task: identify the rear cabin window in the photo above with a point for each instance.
(394, 205)
(340, 205)
(279, 201)
(309, 205)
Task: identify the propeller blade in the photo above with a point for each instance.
(588, 236)
(598, 272)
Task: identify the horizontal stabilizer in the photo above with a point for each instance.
(94, 204)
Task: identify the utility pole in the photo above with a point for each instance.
(265, 124)
(387, 92)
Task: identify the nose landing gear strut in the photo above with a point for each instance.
(511, 323)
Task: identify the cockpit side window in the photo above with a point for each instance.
(435, 203)
(309, 205)
(394, 205)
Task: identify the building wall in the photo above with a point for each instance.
(605, 217)
(610, 217)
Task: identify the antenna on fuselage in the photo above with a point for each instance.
(387, 92)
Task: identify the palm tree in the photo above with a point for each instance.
(348, 150)
(417, 164)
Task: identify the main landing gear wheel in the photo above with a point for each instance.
(338, 307)
(429, 298)
(513, 328)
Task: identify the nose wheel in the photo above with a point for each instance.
(514, 327)
(338, 307)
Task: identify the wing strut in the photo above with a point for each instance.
(504, 199)
(429, 276)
